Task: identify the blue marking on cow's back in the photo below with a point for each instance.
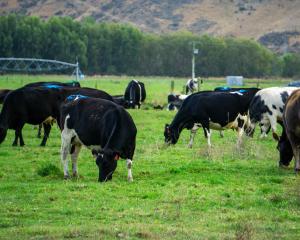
(242, 90)
(75, 97)
(223, 88)
(52, 86)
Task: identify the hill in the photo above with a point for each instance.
(275, 23)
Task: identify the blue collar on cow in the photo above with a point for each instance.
(52, 86)
(75, 97)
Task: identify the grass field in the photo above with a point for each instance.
(177, 193)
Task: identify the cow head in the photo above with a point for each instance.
(171, 137)
(107, 164)
(285, 150)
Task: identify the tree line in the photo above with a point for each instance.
(110, 48)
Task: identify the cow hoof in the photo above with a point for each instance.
(297, 170)
(190, 146)
(66, 177)
(14, 144)
(130, 179)
(42, 145)
(75, 175)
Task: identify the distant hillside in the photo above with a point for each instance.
(275, 23)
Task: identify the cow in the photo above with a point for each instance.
(211, 110)
(104, 127)
(218, 89)
(191, 86)
(175, 101)
(3, 93)
(37, 105)
(135, 94)
(289, 142)
(266, 109)
(67, 84)
(54, 85)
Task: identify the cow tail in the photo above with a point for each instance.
(131, 95)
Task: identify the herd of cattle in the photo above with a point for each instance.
(99, 121)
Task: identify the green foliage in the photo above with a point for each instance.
(110, 48)
(291, 65)
(49, 169)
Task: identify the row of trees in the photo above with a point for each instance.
(109, 48)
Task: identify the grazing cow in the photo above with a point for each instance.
(289, 142)
(101, 125)
(135, 94)
(37, 105)
(266, 109)
(211, 110)
(219, 89)
(175, 101)
(191, 86)
(3, 93)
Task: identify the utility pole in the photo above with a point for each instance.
(195, 51)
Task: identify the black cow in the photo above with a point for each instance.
(67, 84)
(37, 105)
(135, 94)
(3, 93)
(101, 125)
(54, 85)
(289, 142)
(211, 110)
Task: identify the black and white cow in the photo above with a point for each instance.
(191, 86)
(37, 105)
(135, 93)
(211, 110)
(220, 89)
(175, 101)
(289, 142)
(104, 127)
(266, 109)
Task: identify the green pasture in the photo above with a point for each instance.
(177, 193)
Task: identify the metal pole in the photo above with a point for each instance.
(77, 71)
(193, 62)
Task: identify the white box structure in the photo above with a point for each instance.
(235, 80)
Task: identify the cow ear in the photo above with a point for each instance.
(116, 156)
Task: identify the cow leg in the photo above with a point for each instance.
(15, 142)
(129, 165)
(273, 123)
(65, 149)
(192, 135)
(21, 137)
(221, 133)
(240, 131)
(39, 131)
(18, 135)
(47, 129)
(74, 156)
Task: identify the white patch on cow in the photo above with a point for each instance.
(272, 96)
(236, 92)
(129, 165)
(182, 96)
(74, 157)
(208, 137)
